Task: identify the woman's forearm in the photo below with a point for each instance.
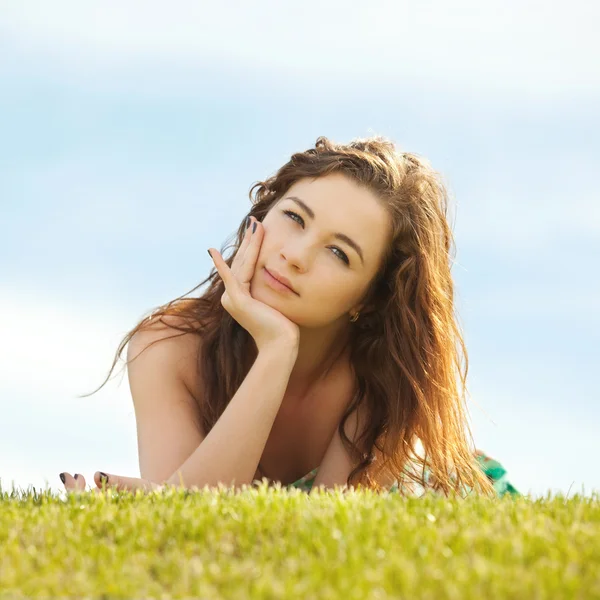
(231, 451)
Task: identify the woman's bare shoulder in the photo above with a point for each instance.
(175, 328)
(182, 346)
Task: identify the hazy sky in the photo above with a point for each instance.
(131, 133)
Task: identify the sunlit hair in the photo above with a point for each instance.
(406, 347)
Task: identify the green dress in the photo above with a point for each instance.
(494, 471)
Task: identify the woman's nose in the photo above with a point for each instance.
(297, 259)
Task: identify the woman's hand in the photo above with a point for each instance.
(264, 323)
(114, 482)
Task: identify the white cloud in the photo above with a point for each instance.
(549, 302)
(515, 222)
(529, 47)
(525, 204)
(52, 348)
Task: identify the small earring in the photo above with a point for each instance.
(354, 318)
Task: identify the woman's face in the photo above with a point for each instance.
(329, 272)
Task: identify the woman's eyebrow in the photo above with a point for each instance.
(340, 236)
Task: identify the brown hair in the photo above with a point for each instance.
(405, 349)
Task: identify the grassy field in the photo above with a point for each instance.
(280, 543)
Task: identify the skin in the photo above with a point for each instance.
(115, 482)
(329, 291)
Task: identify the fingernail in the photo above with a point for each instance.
(103, 477)
(62, 477)
(209, 254)
(254, 227)
(76, 475)
(248, 221)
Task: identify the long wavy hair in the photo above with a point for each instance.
(406, 352)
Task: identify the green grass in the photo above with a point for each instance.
(280, 543)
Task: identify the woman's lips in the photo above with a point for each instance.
(275, 283)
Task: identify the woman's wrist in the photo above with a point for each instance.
(283, 349)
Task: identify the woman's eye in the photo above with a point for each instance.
(295, 216)
(342, 255)
(291, 214)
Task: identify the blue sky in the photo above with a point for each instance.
(131, 133)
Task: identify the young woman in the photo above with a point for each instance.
(325, 350)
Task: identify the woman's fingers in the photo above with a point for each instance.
(244, 263)
(114, 482)
(79, 481)
(121, 483)
(238, 259)
(240, 255)
(222, 268)
(69, 482)
(251, 255)
(75, 483)
(81, 484)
